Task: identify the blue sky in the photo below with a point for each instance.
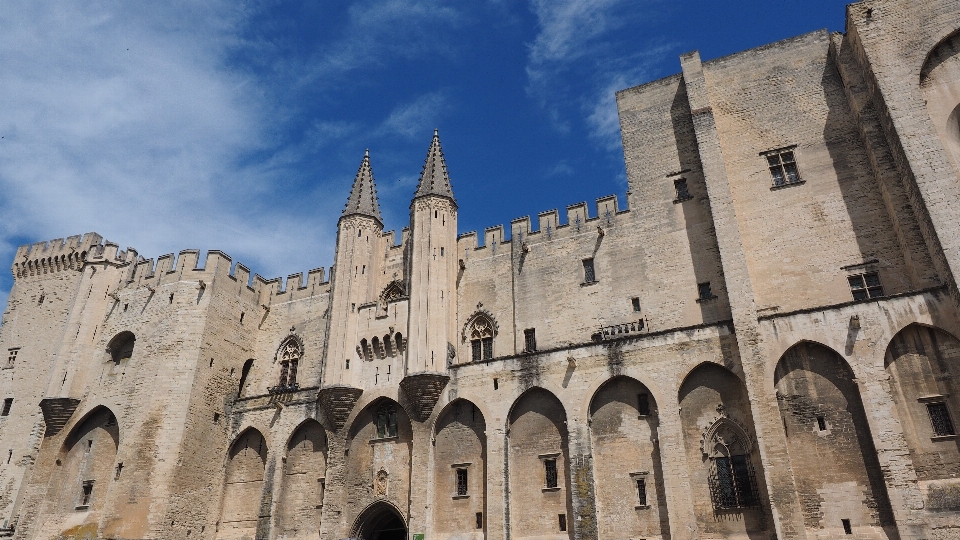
(239, 126)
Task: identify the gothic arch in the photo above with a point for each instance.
(379, 440)
(539, 465)
(87, 462)
(705, 365)
(829, 443)
(728, 488)
(460, 468)
(482, 316)
(393, 291)
(304, 480)
(480, 330)
(289, 355)
(921, 361)
(243, 483)
(378, 518)
(628, 474)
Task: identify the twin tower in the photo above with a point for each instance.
(393, 308)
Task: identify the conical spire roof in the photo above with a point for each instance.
(434, 180)
(363, 196)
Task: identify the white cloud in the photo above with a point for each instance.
(568, 26)
(416, 118)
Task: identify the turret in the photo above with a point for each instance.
(353, 282)
(433, 274)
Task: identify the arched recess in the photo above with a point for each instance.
(726, 473)
(940, 86)
(87, 462)
(380, 521)
(244, 375)
(121, 347)
(378, 458)
(921, 362)
(538, 458)
(304, 481)
(834, 462)
(243, 486)
(626, 461)
(460, 471)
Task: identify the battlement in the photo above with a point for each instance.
(549, 227)
(56, 255)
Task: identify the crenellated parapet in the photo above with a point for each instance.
(59, 255)
(579, 220)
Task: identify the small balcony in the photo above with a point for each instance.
(616, 331)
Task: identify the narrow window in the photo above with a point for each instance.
(461, 482)
(642, 491)
(171, 298)
(284, 369)
(864, 286)
(939, 417)
(562, 518)
(12, 357)
(211, 362)
(7, 403)
(441, 252)
(530, 339)
(86, 493)
(479, 520)
(643, 404)
(216, 418)
(119, 470)
(550, 472)
(348, 364)
(703, 291)
(241, 317)
(477, 350)
(683, 193)
(589, 275)
(496, 384)
(821, 423)
(386, 420)
(783, 167)
(636, 303)
(847, 529)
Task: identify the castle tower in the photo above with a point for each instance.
(433, 274)
(353, 283)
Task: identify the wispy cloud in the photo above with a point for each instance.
(413, 119)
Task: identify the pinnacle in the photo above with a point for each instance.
(434, 180)
(363, 195)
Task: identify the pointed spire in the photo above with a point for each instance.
(434, 180)
(363, 196)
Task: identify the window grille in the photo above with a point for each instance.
(682, 192)
(783, 168)
(940, 418)
(733, 483)
(386, 420)
(589, 275)
(461, 482)
(7, 403)
(864, 286)
(550, 469)
(530, 339)
(642, 491)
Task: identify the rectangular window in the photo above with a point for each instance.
(847, 529)
(550, 472)
(7, 403)
(683, 193)
(641, 491)
(530, 340)
(821, 423)
(864, 286)
(703, 291)
(479, 520)
(643, 405)
(11, 358)
(940, 418)
(562, 518)
(783, 167)
(732, 483)
(86, 494)
(477, 350)
(589, 275)
(636, 303)
(461, 482)
(487, 348)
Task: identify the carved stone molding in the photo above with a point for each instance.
(423, 390)
(337, 403)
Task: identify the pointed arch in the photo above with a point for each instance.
(289, 354)
(823, 415)
(300, 500)
(87, 461)
(480, 329)
(380, 438)
(460, 467)
(377, 518)
(243, 483)
(393, 291)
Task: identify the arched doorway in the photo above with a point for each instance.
(380, 521)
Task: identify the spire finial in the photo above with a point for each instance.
(363, 196)
(434, 180)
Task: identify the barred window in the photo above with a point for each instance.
(589, 274)
(733, 483)
(461, 482)
(642, 491)
(940, 418)
(683, 193)
(783, 167)
(530, 339)
(550, 470)
(864, 286)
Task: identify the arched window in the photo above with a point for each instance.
(289, 355)
(376, 347)
(400, 343)
(480, 330)
(392, 292)
(386, 420)
(733, 483)
(365, 351)
(388, 346)
(121, 346)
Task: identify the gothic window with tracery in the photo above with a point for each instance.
(394, 291)
(733, 483)
(482, 331)
(386, 420)
(289, 355)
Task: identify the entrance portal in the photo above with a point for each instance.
(380, 521)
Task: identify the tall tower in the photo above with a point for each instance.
(353, 283)
(433, 275)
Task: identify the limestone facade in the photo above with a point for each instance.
(759, 343)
